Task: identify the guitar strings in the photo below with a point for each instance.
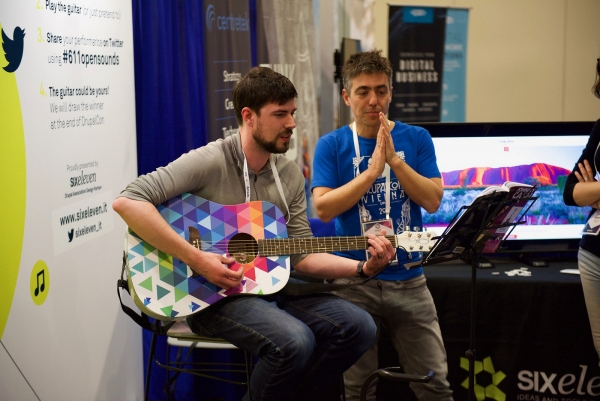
(336, 240)
(299, 239)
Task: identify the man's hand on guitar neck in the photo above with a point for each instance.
(215, 269)
(382, 252)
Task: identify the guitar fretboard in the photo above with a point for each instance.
(294, 246)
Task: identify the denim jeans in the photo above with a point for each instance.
(408, 313)
(589, 268)
(304, 344)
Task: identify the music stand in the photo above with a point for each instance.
(489, 220)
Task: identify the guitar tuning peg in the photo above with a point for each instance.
(416, 229)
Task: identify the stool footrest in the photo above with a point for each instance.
(394, 373)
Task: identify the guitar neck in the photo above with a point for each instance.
(294, 246)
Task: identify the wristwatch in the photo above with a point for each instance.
(359, 269)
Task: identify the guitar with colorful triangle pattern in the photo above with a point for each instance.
(253, 233)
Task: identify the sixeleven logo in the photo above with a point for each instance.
(490, 391)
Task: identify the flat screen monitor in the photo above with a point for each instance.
(472, 156)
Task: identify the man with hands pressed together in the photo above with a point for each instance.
(376, 174)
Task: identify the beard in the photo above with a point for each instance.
(271, 146)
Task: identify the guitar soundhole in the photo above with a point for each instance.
(243, 248)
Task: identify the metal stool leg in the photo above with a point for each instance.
(342, 389)
(249, 366)
(179, 363)
(149, 366)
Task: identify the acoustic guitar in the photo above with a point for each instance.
(252, 233)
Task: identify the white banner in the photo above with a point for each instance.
(67, 111)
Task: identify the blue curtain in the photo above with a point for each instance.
(169, 80)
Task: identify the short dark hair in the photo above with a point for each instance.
(596, 87)
(261, 85)
(371, 62)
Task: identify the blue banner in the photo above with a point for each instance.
(416, 51)
(455, 72)
(427, 49)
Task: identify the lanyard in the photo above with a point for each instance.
(386, 174)
(596, 167)
(277, 182)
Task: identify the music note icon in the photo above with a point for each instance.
(40, 287)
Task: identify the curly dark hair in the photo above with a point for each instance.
(596, 87)
(260, 86)
(371, 62)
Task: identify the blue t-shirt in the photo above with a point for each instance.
(335, 165)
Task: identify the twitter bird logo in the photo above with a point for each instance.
(13, 49)
(70, 234)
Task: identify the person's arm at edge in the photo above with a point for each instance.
(586, 192)
(576, 192)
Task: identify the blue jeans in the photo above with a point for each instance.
(589, 268)
(407, 311)
(304, 344)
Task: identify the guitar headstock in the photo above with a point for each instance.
(416, 241)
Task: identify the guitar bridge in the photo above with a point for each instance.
(194, 237)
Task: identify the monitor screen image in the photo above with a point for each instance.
(486, 157)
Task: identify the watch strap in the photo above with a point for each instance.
(359, 269)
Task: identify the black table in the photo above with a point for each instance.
(533, 339)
